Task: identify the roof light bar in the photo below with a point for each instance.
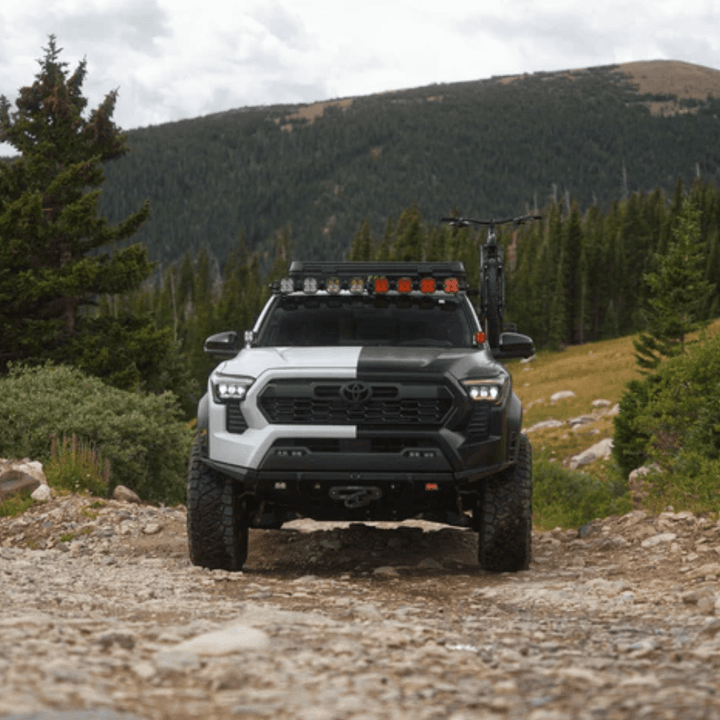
(357, 285)
(287, 285)
(333, 285)
(310, 285)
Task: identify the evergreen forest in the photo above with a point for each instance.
(490, 148)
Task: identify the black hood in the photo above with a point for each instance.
(381, 361)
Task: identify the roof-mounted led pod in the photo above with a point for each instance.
(310, 285)
(333, 285)
(382, 285)
(405, 285)
(452, 285)
(287, 285)
(427, 285)
(357, 285)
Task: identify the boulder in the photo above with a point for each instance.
(562, 395)
(600, 403)
(17, 475)
(125, 494)
(600, 450)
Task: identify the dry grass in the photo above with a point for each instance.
(592, 371)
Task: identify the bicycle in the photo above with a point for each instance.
(492, 273)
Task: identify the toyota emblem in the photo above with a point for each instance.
(356, 392)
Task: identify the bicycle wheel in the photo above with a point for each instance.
(493, 287)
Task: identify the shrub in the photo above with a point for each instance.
(570, 498)
(141, 435)
(673, 418)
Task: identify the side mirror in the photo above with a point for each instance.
(514, 345)
(223, 345)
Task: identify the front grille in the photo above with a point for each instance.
(316, 403)
(479, 425)
(234, 419)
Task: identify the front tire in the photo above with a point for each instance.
(504, 518)
(217, 517)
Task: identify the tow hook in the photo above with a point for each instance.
(355, 496)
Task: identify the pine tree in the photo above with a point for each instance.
(361, 248)
(55, 249)
(678, 293)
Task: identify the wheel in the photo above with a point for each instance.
(493, 287)
(504, 519)
(217, 518)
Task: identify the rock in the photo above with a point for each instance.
(222, 642)
(600, 403)
(562, 395)
(124, 494)
(41, 493)
(658, 539)
(152, 528)
(544, 424)
(17, 475)
(600, 450)
(581, 420)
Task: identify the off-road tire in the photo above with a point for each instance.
(504, 518)
(493, 287)
(217, 519)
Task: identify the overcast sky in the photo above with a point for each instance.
(174, 59)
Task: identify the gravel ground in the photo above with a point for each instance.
(104, 617)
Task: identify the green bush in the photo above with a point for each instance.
(673, 418)
(570, 498)
(141, 435)
(631, 437)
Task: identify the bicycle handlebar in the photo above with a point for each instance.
(465, 222)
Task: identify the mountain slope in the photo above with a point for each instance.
(491, 147)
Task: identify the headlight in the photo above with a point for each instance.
(491, 390)
(227, 387)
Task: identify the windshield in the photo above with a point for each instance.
(362, 320)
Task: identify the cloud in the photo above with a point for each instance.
(288, 28)
(121, 25)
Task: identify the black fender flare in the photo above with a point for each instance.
(203, 414)
(514, 424)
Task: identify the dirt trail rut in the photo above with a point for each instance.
(103, 616)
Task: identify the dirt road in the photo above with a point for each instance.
(102, 616)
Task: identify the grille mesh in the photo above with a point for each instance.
(234, 419)
(324, 405)
(479, 425)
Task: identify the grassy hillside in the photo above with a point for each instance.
(491, 147)
(592, 371)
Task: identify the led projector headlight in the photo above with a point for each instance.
(493, 391)
(230, 387)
